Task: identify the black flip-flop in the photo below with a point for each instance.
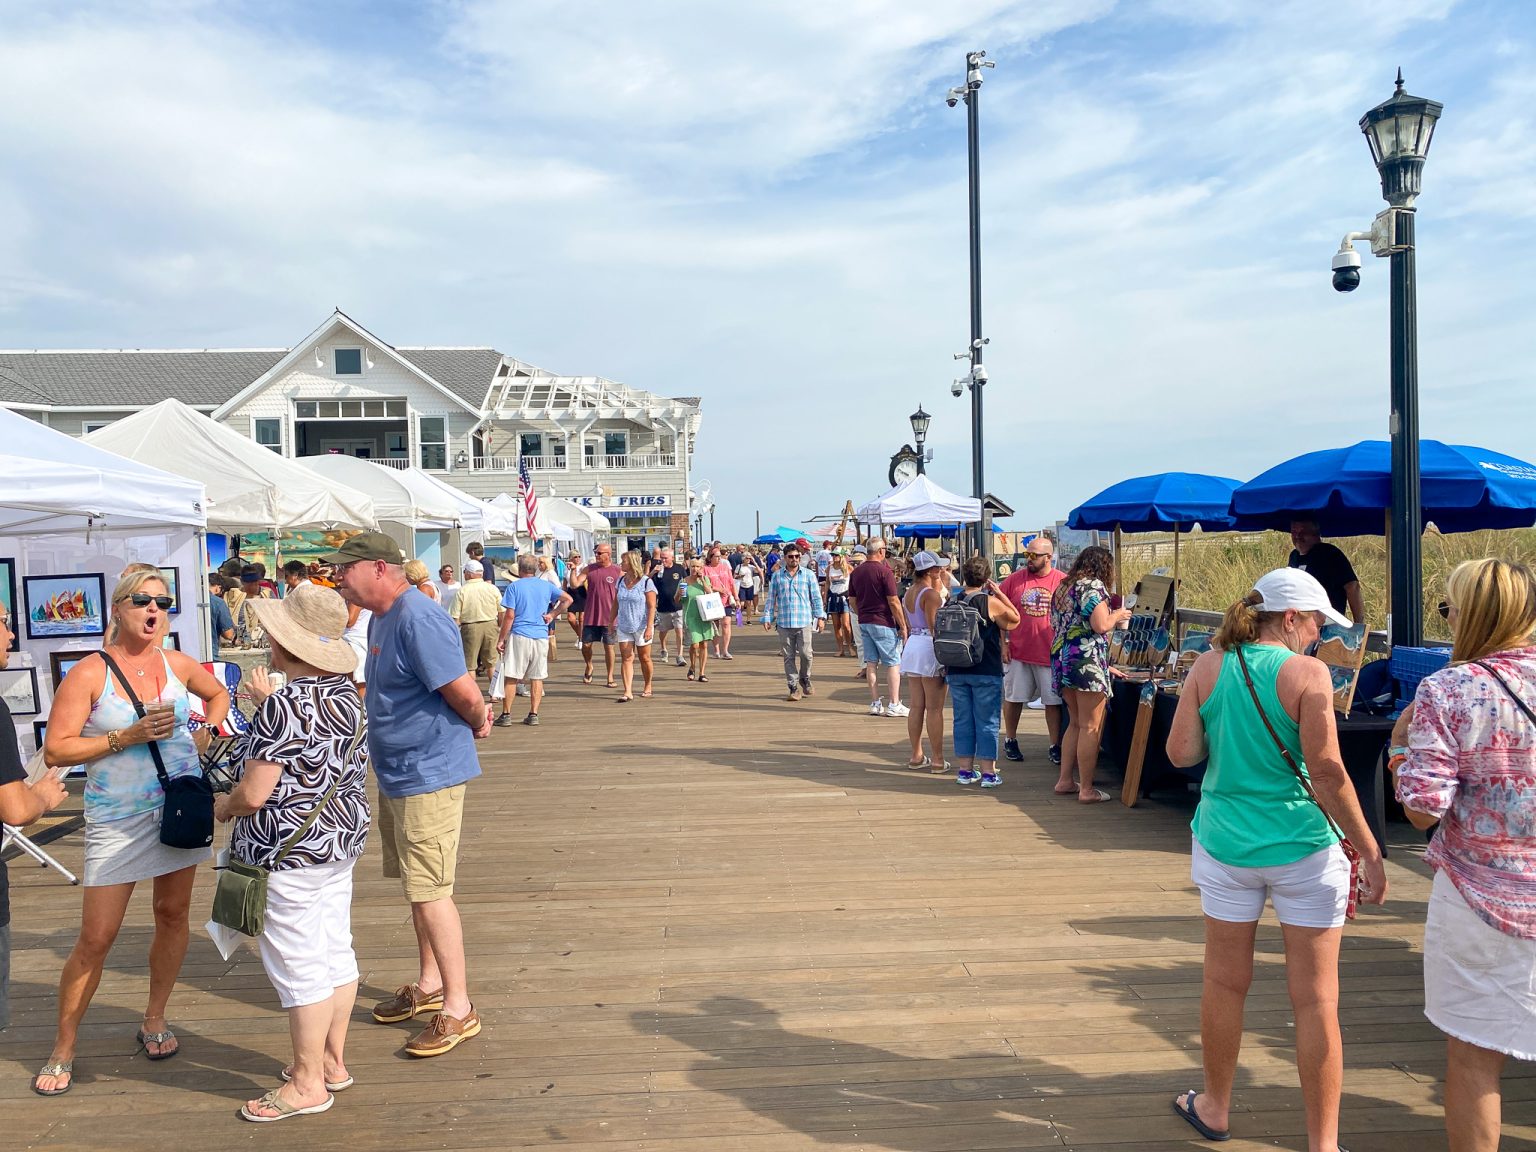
(1186, 1109)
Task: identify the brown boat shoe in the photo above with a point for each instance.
(408, 1002)
(443, 1034)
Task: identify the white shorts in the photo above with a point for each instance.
(1025, 682)
(306, 946)
(526, 658)
(1311, 893)
(636, 638)
(1479, 983)
(917, 658)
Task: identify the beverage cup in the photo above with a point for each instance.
(1116, 602)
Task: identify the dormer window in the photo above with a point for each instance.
(349, 361)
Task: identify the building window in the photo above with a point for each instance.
(93, 426)
(394, 445)
(589, 454)
(615, 443)
(349, 361)
(530, 444)
(434, 443)
(269, 434)
(306, 410)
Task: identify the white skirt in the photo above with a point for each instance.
(1479, 983)
(917, 656)
(129, 850)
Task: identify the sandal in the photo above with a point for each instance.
(145, 1039)
(586, 677)
(646, 695)
(284, 1110)
(691, 676)
(1071, 789)
(920, 765)
(56, 1069)
(623, 699)
(611, 684)
(703, 679)
(330, 1085)
(1097, 796)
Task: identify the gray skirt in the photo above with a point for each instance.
(128, 850)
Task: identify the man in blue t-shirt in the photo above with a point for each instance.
(529, 607)
(425, 713)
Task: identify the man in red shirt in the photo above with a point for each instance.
(1027, 666)
(602, 580)
(882, 628)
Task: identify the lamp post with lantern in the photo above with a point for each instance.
(919, 435)
(1399, 131)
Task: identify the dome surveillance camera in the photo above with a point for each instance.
(980, 374)
(956, 387)
(951, 101)
(1346, 270)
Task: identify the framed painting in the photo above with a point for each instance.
(39, 734)
(172, 640)
(8, 598)
(61, 662)
(172, 578)
(65, 605)
(18, 688)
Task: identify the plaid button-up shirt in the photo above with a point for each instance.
(794, 599)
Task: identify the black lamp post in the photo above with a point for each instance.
(1399, 131)
(970, 92)
(919, 434)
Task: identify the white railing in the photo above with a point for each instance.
(510, 463)
(559, 463)
(392, 461)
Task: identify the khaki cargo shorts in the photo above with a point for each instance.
(421, 841)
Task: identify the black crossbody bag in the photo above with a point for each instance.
(186, 820)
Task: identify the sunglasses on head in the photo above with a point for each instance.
(142, 600)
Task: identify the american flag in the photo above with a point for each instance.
(528, 496)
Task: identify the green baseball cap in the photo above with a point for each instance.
(367, 546)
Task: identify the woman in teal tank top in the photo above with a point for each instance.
(1258, 836)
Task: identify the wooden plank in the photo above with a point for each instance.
(1146, 709)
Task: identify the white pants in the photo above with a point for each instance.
(306, 946)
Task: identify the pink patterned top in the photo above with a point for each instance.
(1472, 762)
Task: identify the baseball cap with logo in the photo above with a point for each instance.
(367, 546)
(1292, 588)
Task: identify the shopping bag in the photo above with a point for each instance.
(711, 607)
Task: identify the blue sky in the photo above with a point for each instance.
(764, 204)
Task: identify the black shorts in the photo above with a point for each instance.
(748, 595)
(596, 634)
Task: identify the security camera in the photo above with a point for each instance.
(1346, 269)
(980, 374)
(954, 96)
(956, 387)
(951, 101)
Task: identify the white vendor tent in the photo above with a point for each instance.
(920, 501)
(402, 495)
(72, 510)
(250, 488)
(479, 520)
(549, 526)
(578, 516)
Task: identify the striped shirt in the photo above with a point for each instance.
(794, 599)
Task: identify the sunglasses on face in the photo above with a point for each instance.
(142, 600)
(1444, 608)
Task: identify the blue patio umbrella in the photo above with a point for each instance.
(1349, 490)
(1159, 503)
(1166, 501)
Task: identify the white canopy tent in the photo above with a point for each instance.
(478, 519)
(920, 501)
(68, 508)
(250, 488)
(577, 516)
(561, 533)
(398, 494)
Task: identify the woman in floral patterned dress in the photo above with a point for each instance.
(1081, 620)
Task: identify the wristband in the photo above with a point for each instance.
(1398, 750)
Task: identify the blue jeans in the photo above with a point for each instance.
(978, 704)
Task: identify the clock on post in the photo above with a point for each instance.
(904, 465)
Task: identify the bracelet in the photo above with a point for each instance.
(115, 740)
(1396, 762)
(1397, 750)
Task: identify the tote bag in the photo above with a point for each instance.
(711, 607)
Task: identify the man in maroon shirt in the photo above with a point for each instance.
(602, 580)
(1027, 664)
(882, 628)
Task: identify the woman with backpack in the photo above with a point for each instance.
(1081, 620)
(976, 687)
(920, 671)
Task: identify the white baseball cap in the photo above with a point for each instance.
(1292, 588)
(926, 560)
(474, 566)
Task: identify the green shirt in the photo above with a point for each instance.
(1253, 812)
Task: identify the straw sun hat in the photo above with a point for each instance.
(308, 623)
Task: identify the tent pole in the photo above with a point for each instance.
(1119, 575)
(1388, 621)
(203, 593)
(1175, 588)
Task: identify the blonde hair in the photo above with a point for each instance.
(1243, 622)
(132, 580)
(416, 571)
(633, 564)
(1495, 607)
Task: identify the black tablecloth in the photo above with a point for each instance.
(1362, 740)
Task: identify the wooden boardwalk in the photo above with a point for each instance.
(715, 920)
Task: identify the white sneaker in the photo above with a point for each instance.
(1036, 704)
(877, 707)
(897, 708)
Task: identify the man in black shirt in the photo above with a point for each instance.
(20, 804)
(668, 576)
(1330, 566)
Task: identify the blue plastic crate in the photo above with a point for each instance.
(1408, 666)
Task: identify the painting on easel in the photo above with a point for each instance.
(1343, 650)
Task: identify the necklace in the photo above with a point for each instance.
(137, 670)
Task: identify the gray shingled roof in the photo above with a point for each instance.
(200, 378)
(114, 378)
(466, 372)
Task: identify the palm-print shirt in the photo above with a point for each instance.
(1472, 762)
(308, 728)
